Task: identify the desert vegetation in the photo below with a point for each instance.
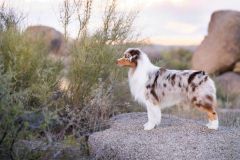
(32, 104)
(178, 58)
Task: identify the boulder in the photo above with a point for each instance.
(220, 49)
(229, 83)
(53, 39)
(175, 138)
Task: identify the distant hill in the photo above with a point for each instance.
(154, 50)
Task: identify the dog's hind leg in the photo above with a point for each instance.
(210, 109)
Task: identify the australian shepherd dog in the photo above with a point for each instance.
(158, 88)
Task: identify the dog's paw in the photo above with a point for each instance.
(148, 126)
(213, 124)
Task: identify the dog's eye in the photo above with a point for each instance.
(126, 56)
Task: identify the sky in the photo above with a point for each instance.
(166, 22)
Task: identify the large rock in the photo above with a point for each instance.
(220, 49)
(53, 39)
(175, 138)
(229, 83)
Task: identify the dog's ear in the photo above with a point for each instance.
(134, 54)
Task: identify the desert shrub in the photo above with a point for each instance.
(31, 69)
(175, 59)
(9, 18)
(93, 73)
(27, 81)
(31, 104)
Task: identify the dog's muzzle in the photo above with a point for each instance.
(120, 61)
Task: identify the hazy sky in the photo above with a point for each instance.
(169, 22)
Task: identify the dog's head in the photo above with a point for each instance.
(130, 58)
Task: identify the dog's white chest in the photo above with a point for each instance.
(137, 87)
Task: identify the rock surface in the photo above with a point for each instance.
(229, 83)
(220, 49)
(175, 138)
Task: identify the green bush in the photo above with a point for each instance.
(175, 59)
(32, 71)
(92, 63)
(30, 80)
(92, 76)
(93, 73)
(27, 80)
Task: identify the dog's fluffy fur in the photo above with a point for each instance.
(157, 87)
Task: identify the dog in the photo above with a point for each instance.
(158, 88)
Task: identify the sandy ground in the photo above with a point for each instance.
(175, 138)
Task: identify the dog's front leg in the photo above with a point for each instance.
(154, 116)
